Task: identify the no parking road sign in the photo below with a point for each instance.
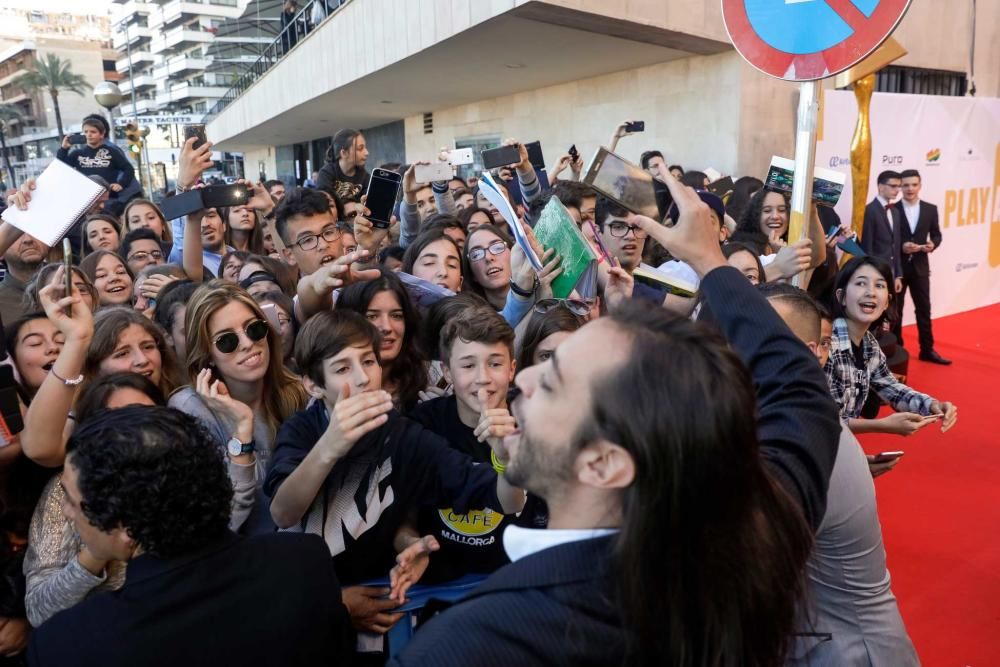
(805, 40)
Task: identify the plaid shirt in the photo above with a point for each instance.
(849, 385)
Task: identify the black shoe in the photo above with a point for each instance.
(934, 358)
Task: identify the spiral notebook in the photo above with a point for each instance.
(60, 197)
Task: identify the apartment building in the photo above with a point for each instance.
(27, 36)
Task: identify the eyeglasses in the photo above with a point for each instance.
(578, 308)
(620, 230)
(228, 342)
(143, 256)
(311, 242)
(495, 248)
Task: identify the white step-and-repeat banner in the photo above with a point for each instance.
(954, 142)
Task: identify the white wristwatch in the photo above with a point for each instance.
(236, 448)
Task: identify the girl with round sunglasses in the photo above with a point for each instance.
(240, 390)
(503, 275)
(385, 303)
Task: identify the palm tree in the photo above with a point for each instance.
(54, 74)
(8, 112)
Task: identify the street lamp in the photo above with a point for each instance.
(108, 95)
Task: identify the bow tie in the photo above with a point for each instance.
(888, 206)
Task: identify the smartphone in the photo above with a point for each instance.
(10, 407)
(428, 173)
(214, 196)
(198, 132)
(627, 184)
(500, 157)
(886, 457)
(535, 154)
(573, 153)
(182, 204)
(380, 199)
(460, 156)
(68, 270)
(635, 126)
(77, 138)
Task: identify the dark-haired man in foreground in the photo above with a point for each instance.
(146, 486)
(680, 504)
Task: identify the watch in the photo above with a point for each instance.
(236, 448)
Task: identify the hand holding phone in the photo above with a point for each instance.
(383, 188)
(198, 132)
(885, 457)
(633, 126)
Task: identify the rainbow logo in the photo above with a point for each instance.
(934, 155)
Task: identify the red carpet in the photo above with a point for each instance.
(940, 507)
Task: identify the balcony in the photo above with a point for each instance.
(139, 59)
(181, 65)
(136, 35)
(141, 107)
(188, 91)
(179, 37)
(175, 10)
(141, 82)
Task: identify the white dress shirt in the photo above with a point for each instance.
(912, 212)
(520, 542)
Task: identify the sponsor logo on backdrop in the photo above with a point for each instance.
(892, 159)
(933, 157)
(970, 155)
(837, 161)
(965, 267)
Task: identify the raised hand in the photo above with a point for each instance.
(794, 259)
(368, 236)
(216, 394)
(494, 424)
(618, 288)
(69, 313)
(411, 563)
(550, 271)
(354, 417)
(20, 199)
(193, 162)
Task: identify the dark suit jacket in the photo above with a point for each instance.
(264, 600)
(555, 607)
(927, 226)
(879, 239)
(550, 608)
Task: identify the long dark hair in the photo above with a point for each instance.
(711, 553)
(96, 396)
(407, 372)
(749, 223)
(744, 188)
(540, 327)
(342, 141)
(845, 276)
(470, 283)
(422, 241)
(255, 243)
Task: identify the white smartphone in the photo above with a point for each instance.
(460, 156)
(428, 173)
(271, 312)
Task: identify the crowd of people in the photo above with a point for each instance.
(249, 432)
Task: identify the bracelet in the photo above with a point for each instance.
(516, 289)
(499, 467)
(69, 382)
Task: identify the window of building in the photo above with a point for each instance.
(918, 81)
(478, 145)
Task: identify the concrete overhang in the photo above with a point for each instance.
(330, 80)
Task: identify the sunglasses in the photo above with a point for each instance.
(228, 342)
(574, 306)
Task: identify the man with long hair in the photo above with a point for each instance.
(681, 504)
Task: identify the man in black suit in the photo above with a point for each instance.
(146, 485)
(920, 236)
(880, 233)
(661, 470)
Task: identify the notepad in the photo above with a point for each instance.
(60, 197)
(556, 229)
(659, 279)
(490, 190)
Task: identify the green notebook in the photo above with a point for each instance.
(556, 229)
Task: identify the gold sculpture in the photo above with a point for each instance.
(861, 151)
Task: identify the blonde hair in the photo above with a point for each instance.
(283, 395)
(168, 232)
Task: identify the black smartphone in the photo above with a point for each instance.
(196, 131)
(623, 182)
(535, 154)
(213, 196)
(573, 153)
(10, 407)
(181, 204)
(635, 126)
(77, 138)
(501, 157)
(381, 196)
